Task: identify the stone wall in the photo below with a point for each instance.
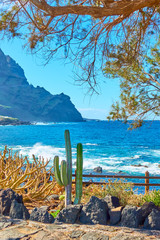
(105, 211)
(108, 211)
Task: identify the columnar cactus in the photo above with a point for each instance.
(68, 189)
(79, 171)
(64, 175)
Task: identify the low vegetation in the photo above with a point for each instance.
(153, 196)
(123, 190)
(2, 118)
(118, 188)
(28, 179)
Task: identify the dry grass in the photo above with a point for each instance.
(121, 189)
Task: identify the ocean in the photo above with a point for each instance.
(107, 144)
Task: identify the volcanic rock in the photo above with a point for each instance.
(70, 214)
(94, 212)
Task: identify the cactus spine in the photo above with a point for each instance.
(64, 175)
(79, 167)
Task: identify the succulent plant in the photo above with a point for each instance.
(68, 188)
(64, 174)
(79, 172)
(30, 179)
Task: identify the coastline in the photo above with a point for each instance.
(5, 120)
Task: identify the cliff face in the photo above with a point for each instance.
(21, 100)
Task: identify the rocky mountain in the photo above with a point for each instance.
(19, 99)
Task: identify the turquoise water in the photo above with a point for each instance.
(106, 144)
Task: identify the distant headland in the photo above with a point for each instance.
(20, 100)
(12, 121)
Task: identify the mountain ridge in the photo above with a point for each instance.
(21, 100)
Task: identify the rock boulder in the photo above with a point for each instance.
(152, 222)
(18, 211)
(146, 209)
(98, 169)
(70, 214)
(115, 215)
(41, 215)
(94, 212)
(112, 202)
(6, 198)
(130, 217)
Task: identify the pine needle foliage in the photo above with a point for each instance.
(139, 76)
(81, 31)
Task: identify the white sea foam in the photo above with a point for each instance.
(114, 158)
(107, 163)
(40, 150)
(152, 168)
(115, 164)
(111, 163)
(90, 144)
(91, 164)
(150, 152)
(43, 123)
(156, 153)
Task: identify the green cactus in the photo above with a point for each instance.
(56, 171)
(69, 167)
(79, 170)
(64, 175)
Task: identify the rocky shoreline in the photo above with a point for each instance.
(4, 121)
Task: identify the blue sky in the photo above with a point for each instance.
(57, 77)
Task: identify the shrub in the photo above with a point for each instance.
(28, 179)
(118, 188)
(93, 190)
(121, 189)
(153, 196)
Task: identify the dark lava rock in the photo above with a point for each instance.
(115, 215)
(130, 217)
(41, 215)
(139, 165)
(112, 202)
(98, 169)
(18, 211)
(94, 212)
(70, 214)
(146, 209)
(6, 198)
(152, 222)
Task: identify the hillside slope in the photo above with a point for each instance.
(21, 100)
